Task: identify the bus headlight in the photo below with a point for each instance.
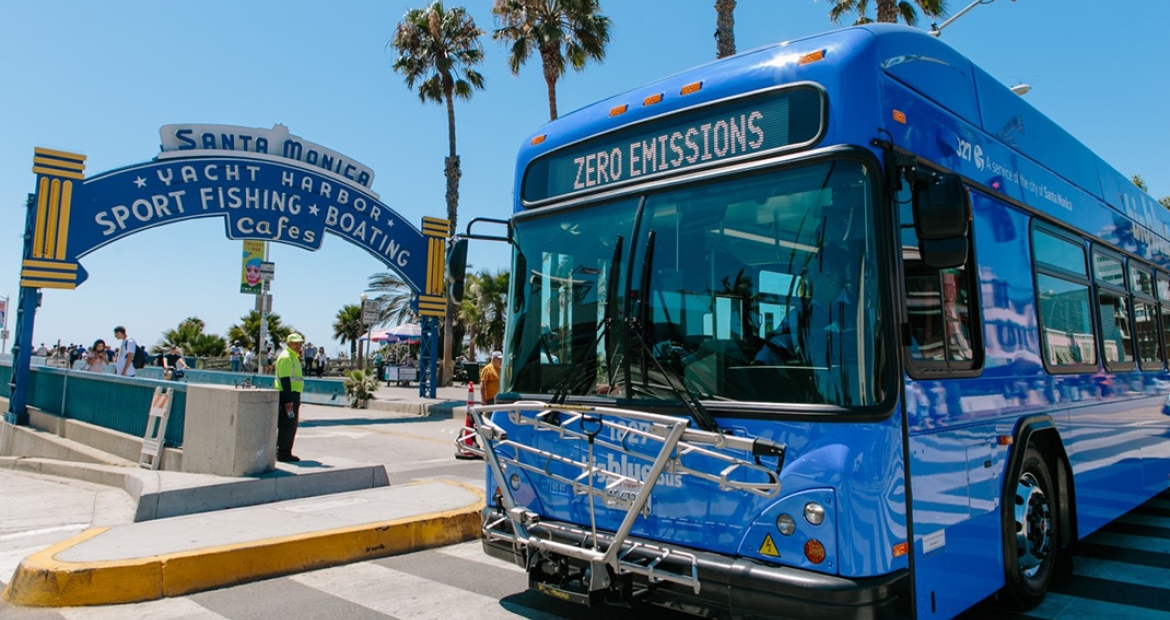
(785, 524)
(514, 482)
(814, 513)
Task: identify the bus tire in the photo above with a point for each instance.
(1031, 555)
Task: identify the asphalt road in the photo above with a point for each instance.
(1122, 571)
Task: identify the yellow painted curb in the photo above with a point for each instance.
(43, 581)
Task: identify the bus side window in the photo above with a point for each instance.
(939, 310)
(1163, 288)
(1066, 308)
(1145, 316)
(1113, 305)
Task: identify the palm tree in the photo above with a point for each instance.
(724, 28)
(247, 331)
(190, 339)
(485, 309)
(395, 299)
(888, 11)
(546, 26)
(437, 50)
(349, 328)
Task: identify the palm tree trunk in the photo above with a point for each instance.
(550, 79)
(724, 28)
(887, 11)
(453, 173)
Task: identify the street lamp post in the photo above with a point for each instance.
(361, 356)
(937, 30)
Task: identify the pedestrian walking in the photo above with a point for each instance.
(290, 381)
(489, 379)
(125, 364)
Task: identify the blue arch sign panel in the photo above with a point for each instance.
(267, 185)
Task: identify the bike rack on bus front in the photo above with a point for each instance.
(586, 423)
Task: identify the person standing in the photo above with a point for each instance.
(290, 381)
(125, 364)
(236, 356)
(95, 359)
(174, 366)
(489, 379)
(308, 354)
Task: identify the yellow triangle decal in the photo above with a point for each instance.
(769, 547)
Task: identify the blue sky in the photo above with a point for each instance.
(101, 79)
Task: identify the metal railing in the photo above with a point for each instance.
(681, 451)
(102, 399)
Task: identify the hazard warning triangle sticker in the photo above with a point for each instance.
(769, 547)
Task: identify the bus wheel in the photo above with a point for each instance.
(1032, 553)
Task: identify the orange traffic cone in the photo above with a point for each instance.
(467, 446)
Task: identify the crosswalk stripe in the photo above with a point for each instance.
(473, 552)
(1128, 541)
(1145, 519)
(1122, 571)
(165, 609)
(1062, 607)
(403, 595)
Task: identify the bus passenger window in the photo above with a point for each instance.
(1145, 316)
(1066, 310)
(939, 309)
(1113, 312)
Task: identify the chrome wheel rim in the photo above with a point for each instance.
(1033, 515)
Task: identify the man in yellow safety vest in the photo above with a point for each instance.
(290, 380)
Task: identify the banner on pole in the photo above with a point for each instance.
(250, 273)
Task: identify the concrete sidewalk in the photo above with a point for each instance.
(323, 521)
(150, 560)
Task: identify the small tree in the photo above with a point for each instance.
(348, 327)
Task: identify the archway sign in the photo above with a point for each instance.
(265, 184)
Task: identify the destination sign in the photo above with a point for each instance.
(731, 130)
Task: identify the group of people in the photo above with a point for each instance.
(313, 359)
(99, 356)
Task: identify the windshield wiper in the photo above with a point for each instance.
(637, 327)
(581, 368)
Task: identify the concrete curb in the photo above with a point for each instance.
(155, 499)
(43, 581)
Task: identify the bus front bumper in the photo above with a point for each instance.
(728, 586)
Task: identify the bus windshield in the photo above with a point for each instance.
(760, 287)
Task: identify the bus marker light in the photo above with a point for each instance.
(652, 99)
(538, 139)
(1005, 440)
(786, 524)
(901, 549)
(900, 116)
(813, 57)
(693, 87)
(768, 547)
(814, 551)
(621, 109)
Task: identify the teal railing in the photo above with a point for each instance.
(118, 403)
(317, 391)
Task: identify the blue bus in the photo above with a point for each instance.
(837, 328)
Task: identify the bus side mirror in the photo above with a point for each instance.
(457, 268)
(942, 220)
